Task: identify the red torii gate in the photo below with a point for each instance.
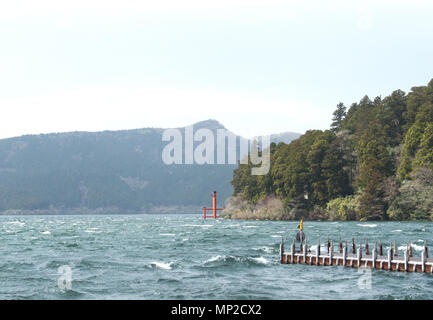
(214, 208)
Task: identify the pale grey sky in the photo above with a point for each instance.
(257, 66)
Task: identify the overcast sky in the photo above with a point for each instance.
(257, 66)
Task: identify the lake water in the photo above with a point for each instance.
(186, 257)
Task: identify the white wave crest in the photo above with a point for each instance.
(197, 225)
(92, 230)
(18, 223)
(313, 248)
(261, 260)
(417, 247)
(414, 246)
(367, 225)
(214, 258)
(162, 265)
(264, 249)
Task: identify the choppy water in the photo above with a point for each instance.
(186, 257)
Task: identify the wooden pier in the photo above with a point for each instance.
(359, 257)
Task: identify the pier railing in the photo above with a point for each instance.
(358, 256)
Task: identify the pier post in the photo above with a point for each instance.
(380, 248)
(311, 255)
(366, 247)
(301, 246)
(204, 213)
(410, 249)
(426, 250)
(406, 260)
(282, 250)
(395, 249)
(305, 252)
(423, 261)
(392, 251)
(327, 246)
(353, 246)
(292, 253)
(331, 252)
(318, 252)
(359, 256)
(374, 257)
(389, 258)
(345, 254)
(340, 246)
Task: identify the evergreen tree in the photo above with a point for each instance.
(338, 117)
(375, 166)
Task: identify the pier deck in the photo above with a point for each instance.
(358, 258)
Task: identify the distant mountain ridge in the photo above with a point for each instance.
(108, 171)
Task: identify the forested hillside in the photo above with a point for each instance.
(374, 163)
(106, 172)
(110, 171)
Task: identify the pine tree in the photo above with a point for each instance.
(338, 117)
(375, 166)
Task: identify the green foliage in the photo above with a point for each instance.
(417, 137)
(359, 116)
(390, 116)
(375, 166)
(415, 199)
(424, 156)
(342, 208)
(307, 172)
(376, 151)
(417, 98)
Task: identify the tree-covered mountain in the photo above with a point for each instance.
(374, 163)
(110, 171)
